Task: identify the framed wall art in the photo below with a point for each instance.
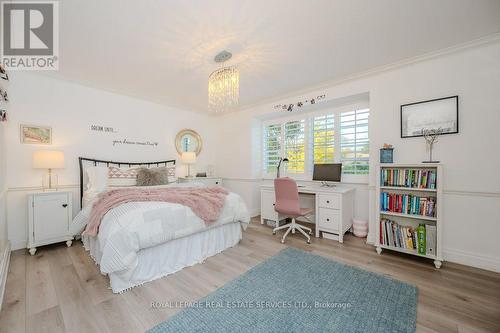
(33, 134)
(437, 114)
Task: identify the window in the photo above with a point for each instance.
(354, 144)
(323, 139)
(295, 146)
(272, 147)
(340, 136)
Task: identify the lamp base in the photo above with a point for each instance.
(49, 182)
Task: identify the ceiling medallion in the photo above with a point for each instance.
(223, 85)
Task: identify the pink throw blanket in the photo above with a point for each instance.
(206, 202)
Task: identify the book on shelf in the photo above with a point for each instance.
(421, 239)
(408, 204)
(408, 177)
(430, 239)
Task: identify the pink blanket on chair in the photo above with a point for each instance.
(206, 202)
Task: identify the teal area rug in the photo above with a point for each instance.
(296, 291)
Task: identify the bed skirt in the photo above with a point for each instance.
(170, 257)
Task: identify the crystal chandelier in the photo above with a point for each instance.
(223, 85)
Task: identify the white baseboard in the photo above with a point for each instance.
(18, 244)
(4, 270)
(469, 259)
(472, 259)
(254, 212)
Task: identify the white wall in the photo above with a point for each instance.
(70, 109)
(3, 189)
(471, 159)
(3, 183)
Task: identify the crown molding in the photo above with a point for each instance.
(489, 39)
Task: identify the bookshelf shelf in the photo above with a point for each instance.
(412, 216)
(407, 251)
(420, 182)
(401, 188)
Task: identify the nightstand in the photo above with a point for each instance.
(49, 218)
(208, 181)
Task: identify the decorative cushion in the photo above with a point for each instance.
(122, 177)
(152, 176)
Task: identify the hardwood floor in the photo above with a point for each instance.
(60, 289)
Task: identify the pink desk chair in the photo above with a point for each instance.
(287, 204)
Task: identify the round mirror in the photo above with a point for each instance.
(188, 140)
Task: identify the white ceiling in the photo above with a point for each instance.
(163, 50)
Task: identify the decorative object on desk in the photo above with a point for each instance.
(431, 136)
(285, 160)
(300, 104)
(32, 134)
(3, 115)
(201, 174)
(48, 159)
(188, 158)
(188, 140)
(437, 113)
(387, 154)
(3, 73)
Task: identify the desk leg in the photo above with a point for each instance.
(316, 216)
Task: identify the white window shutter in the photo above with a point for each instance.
(354, 142)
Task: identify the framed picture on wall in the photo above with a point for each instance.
(441, 113)
(32, 134)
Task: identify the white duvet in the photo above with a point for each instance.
(130, 227)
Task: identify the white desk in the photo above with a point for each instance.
(333, 207)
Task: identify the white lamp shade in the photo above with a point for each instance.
(48, 159)
(188, 157)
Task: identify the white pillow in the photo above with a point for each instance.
(98, 178)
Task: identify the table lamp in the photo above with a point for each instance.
(188, 158)
(47, 159)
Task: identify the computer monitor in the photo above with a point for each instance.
(330, 172)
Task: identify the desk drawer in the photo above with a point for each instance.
(331, 201)
(329, 220)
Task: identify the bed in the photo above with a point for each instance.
(140, 242)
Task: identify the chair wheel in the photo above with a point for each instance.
(308, 241)
(310, 232)
(274, 232)
(282, 241)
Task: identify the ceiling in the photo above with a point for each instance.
(163, 50)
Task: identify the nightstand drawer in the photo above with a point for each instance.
(331, 201)
(329, 219)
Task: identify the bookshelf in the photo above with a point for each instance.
(409, 196)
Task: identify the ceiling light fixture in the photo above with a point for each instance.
(223, 85)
